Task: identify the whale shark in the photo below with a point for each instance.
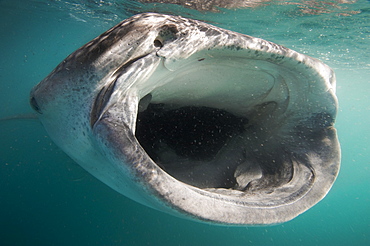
(196, 121)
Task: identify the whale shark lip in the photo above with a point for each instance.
(197, 121)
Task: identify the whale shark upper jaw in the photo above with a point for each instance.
(196, 121)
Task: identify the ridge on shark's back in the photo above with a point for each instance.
(195, 120)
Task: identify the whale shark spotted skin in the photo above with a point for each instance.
(196, 121)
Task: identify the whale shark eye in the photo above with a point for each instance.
(158, 43)
(166, 33)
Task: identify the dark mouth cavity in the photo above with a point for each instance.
(185, 141)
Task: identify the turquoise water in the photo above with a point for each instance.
(47, 199)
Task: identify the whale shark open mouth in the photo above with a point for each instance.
(197, 121)
(207, 126)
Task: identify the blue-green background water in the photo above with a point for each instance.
(47, 199)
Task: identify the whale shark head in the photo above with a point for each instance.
(195, 120)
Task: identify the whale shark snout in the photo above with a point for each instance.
(196, 121)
